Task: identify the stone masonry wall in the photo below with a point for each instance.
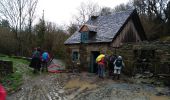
(6, 67)
(156, 54)
(85, 53)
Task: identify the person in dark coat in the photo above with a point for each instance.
(112, 58)
(36, 60)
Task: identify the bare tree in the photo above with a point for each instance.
(153, 16)
(72, 28)
(105, 11)
(18, 13)
(32, 4)
(152, 8)
(123, 7)
(85, 11)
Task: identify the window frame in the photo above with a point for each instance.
(84, 37)
(77, 55)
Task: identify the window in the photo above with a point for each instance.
(84, 37)
(92, 35)
(75, 56)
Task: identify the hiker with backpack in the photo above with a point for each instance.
(118, 65)
(45, 59)
(36, 60)
(101, 65)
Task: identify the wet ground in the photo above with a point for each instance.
(85, 86)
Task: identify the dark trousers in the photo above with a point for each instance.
(36, 64)
(101, 70)
(111, 69)
(44, 66)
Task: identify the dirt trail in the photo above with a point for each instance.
(84, 86)
(42, 87)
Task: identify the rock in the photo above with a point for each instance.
(158, 83)
(138, 76)
(61, 91)
(160, 94)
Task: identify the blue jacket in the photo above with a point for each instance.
(45, 56)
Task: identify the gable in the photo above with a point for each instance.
(84, 29)
(129, 33)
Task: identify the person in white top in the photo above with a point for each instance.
(118, 65)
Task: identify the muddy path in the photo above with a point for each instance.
(84, 86)
(42, 87)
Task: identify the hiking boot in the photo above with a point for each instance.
(113, 77)
(118, 77)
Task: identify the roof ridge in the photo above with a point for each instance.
(129, 10)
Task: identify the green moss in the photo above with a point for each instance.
(20, 68)
(12, 81)
(109, 52)
(128, 69)
(167, 38)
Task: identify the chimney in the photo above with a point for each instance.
(94, 17)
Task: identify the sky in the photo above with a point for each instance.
(61, 11)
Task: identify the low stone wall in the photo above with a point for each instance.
(6, 67)
(156, 54)
(21, 57)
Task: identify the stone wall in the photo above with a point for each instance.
(95, 47)
(156, 56)
(6, 67)
(85, 53)
(153, 56)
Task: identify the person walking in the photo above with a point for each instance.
(118, 65)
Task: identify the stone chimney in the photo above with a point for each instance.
(94, 17)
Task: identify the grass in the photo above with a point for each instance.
(167, 38)
(14, 80)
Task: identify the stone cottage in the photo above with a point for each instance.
(102, 33)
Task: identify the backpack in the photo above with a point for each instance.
(45, 56)
(112, 59)
(118, 63)
(36, 54)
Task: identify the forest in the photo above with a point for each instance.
(19, 33)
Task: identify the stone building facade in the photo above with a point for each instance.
(103, 33)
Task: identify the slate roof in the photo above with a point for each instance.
(106, 27)
(91, 27)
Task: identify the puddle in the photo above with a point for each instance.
(159, 98)
(61, 91)
(76, 83)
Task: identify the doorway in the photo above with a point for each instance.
(93, 64)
